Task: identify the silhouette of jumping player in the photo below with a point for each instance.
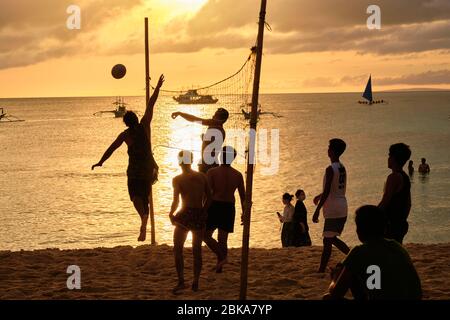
(142, 169)
(212, 139)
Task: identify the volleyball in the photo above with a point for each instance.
(118, 71)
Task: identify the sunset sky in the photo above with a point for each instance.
(314, 46)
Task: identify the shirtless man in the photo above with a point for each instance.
(223, 180)
(142, 169)
(396, 201)
(195, 194)
(212, 139)
(424, 167)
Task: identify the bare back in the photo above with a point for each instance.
(193, 189)
(224, 180)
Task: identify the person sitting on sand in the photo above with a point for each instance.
(411, 168)
(224, 181)
(142, 169)
(396, 201)
(300, 220)
(333, 202)
(288, 232)
(397, 278)
(424, 167)
(213, 138)
(195, 193)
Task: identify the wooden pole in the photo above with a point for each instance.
(251, 154)
(147, 98)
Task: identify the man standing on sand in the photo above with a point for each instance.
(195, 193)
(396, 201)
(223, 181)
(334, 203)
(212, 139)
(142, 169)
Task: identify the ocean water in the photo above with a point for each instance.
(49, 197)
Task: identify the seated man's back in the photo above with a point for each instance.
(398, 277)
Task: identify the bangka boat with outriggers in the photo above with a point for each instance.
(368, 94)
(118, 112)
(192, 97)
(5, 117)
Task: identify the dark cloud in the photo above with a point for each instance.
(312, 26)
(35, 31)
(436, 77)
(32, 31)
(424, 78)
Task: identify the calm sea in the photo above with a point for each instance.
(49, 197)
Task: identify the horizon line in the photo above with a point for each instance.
(274, 93)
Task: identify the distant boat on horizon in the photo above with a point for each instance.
(192, 97)
(367, 94)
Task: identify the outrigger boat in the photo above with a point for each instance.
(192, 97)
(368, 94)
(248, 115)
(4, 117)
(119, 111)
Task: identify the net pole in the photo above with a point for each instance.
(251, 154)
(147, 98)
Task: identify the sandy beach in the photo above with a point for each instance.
(147, 272)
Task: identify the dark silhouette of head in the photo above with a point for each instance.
(410, 163)
(228, 155)
(185, 159)
(300, 194)
(130, 118)
(423, 160)
(221, 114)
(336, 147)
(370, 223)
(399, 153)
(287, 198)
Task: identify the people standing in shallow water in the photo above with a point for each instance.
(333, 202)
(288, 231)
(410, 168)
(397, 278)
(213, 137)
(300, 220)
(142, 169)
(195, 193)
(396, 201)
(223, 181)
(424, 168)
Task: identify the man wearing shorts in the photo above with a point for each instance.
(142, 169)
(195, 193)
(333, 202)
(223, 180)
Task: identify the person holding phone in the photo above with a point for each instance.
(288, 230)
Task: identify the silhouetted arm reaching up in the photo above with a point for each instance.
(148, 115)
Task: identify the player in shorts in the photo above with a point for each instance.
(193, 188)
(333, 202)
(224, 181)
